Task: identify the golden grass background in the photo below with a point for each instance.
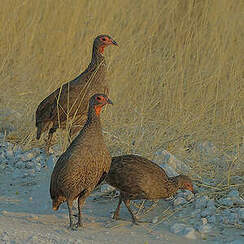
(176, 79)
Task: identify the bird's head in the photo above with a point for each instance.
(97, 101)
(103, 41)
(185, 183)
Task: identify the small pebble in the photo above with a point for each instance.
(226, 202)
(233, 194)
(179, 201)
(208, 211)
(212, 219)
(9, 153)
(205, 228)
(227, 217)
(155, 220)
(211, 203)
(176, 228)
(106, 188)
(5, 237)
(201, 202)
(241, 214)
(189, 233)
(29, 165)
(169, 170)
(20, 165)
(204, 221)
(183, 230)
(4, 212)
(188, 195)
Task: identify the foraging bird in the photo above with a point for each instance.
(139, 178)
(67, 106)
(87, 160)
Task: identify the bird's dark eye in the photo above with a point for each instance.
(99, 98)
(104, 39)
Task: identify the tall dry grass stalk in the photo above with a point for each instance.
(177, 77)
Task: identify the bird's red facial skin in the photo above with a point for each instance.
(189, 187)
(98, 109)
(101, 48)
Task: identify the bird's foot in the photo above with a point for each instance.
(116, 217)
(73, 227)
(136, 221)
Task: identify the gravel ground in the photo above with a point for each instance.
(26, 215)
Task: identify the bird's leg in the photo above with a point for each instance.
(71, 223)
(127, 204)
(116, 213)
(81, 200)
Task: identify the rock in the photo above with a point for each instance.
(189, 233)
(204, 221)
(9, 153)
(212, 219)
(165, 157)
(241, 214)
(3, 166)
(228, 217)
(188, 195)
(2, 156)
(179, 201)
(51, 161)
(226, 202)
(235, 197)
(27, 156)
(204, 228)
(233, 194)
(29, 165)
(183, 230)
(37, 166)
(177, 228)
(20, 165)
(208, 211)
(169, 170)
(195, 213)
(155, 220)
(5, 237)
(106, 188)
(201, 202)
(41, 159)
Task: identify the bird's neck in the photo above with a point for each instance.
(93, 119)
(173, 185)
(97, 58)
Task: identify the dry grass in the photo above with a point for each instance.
(176, 79)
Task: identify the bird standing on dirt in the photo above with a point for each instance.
(67, 106)
(83, 164)
(139, 178)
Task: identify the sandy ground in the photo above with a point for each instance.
(26, 217)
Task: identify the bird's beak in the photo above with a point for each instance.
(109, 101)
(115, 43)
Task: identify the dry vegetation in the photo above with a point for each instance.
(176, 79)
